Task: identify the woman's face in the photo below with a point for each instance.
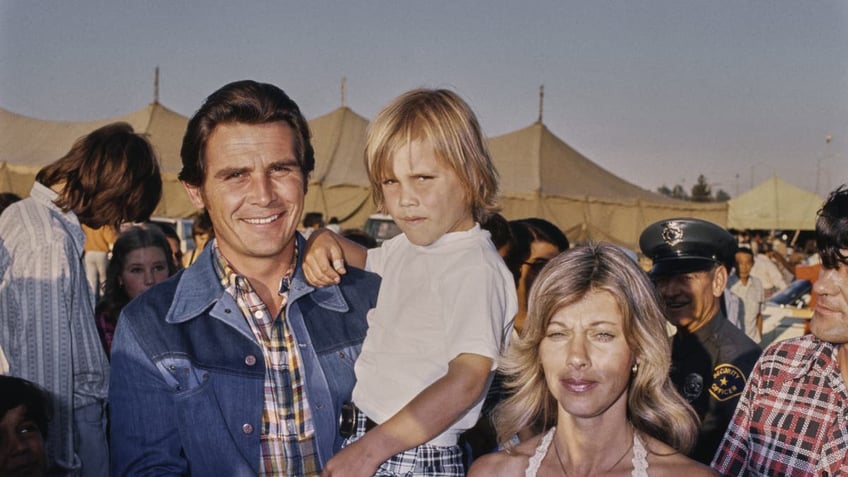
(143, 268)
(586, 359)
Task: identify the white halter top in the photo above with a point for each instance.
(640, 456)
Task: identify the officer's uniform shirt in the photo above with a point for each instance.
(710, 368)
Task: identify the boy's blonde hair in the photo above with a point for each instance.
(445, 120)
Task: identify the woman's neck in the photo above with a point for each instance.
(584, 448)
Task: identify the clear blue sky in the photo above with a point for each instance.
(657, 92)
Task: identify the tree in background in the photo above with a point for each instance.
(701, 192)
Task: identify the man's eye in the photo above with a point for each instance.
(281, 170)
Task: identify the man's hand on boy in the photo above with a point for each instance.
(323, 259)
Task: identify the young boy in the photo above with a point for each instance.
(446, 300)
(750, 290)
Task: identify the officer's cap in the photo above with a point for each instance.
(686, 245)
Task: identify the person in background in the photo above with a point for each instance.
(766, 271)
(534, 238)
(592, 367)
(750, 290)
(47, 326)
(173, 239)
(359, 236)
(140, 259)
(446, 301)
(202, 233)
(312, 221)
(791, 419)
(7, 199)
(711, 358)
(333, 225)
(236, 366)
(24, 414)
(98, 244)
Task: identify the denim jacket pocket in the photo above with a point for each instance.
(180, 373)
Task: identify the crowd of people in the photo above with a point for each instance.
(469, 344)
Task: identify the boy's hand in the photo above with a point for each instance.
(351, 461)
(323, 259)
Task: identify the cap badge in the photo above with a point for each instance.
(672, 234)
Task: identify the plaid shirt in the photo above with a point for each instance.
(793, 417)
(288, 437)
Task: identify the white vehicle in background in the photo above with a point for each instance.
(787, 313)
(183, 228)
(381, 227)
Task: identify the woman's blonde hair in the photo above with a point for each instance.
(654, 406)
(443, 119)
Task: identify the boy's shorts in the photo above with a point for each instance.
(424, 460)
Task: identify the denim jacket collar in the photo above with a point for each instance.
(199, 289)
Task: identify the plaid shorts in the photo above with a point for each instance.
(424, 460)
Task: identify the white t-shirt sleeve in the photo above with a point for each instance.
(477, 309)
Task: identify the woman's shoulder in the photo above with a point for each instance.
(663, 460)
(512, 462)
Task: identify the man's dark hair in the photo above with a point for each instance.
(832, 229)
(246, 102)
(16, 392)
(110, 176)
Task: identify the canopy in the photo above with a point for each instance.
(774, 205)
(28, 144)
(338, 186)
(542, 176)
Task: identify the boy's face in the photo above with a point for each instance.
(424, 195)
(21, 445)
(744, 263)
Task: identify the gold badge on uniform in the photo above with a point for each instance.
(728, 382)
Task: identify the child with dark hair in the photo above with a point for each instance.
(24, 412)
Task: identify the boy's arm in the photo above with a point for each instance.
(429, 414)
(325, 257)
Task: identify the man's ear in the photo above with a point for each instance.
(719, 280)
(195, 194)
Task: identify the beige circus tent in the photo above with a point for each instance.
(774, 205)
(338, 186)
(28, 144)
(542, 176)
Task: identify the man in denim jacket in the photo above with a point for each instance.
(236, 366)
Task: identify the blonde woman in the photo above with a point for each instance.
(591, 368)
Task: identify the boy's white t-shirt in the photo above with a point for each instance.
(453, 296)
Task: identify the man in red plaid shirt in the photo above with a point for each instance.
(793, 417)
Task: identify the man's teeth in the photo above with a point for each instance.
(266, 220)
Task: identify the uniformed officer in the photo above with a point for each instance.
(711, 358)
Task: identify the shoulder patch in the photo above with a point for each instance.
(728, 382)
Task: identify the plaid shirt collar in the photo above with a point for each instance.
(229, 278)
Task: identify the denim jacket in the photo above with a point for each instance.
(186, 394)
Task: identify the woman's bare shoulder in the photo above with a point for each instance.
(506, 463)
